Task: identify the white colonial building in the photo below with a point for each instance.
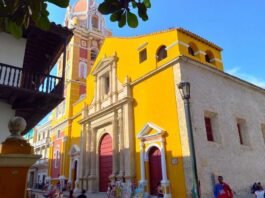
(228, 118)
(39, 171)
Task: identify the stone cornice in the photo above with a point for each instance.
(106, 110)
(18, 160)
(222, 74)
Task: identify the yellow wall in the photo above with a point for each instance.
(158, 105)
(126, 49)
(188, 39)
(154, 97)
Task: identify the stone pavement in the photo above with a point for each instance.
(39, 194)
(96, 195)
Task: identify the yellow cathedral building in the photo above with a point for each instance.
(127, 125)
(123, 117)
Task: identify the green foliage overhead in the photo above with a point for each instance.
(15, 15)
(120, 11)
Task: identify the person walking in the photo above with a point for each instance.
(222, 190)
(259, 193)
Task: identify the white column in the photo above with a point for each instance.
(82, 149)
(88, 151)
(163, 162)
(142, 181)
(93, 154)
(114, 146)
(70, 171)
(129, 157)
(121, 142)
(164, 182)
(77, 176)
(111, 90)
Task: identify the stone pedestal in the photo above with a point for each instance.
(16, 157)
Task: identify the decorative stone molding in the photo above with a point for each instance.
(108, 113)
(158, 140)
(16, 125)
(18, 160)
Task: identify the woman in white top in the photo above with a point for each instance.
(259, 193)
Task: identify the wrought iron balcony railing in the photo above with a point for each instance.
(33, 81)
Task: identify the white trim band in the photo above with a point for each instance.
(177, 42)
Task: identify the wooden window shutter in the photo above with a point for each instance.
(209, 131)
(239, 133)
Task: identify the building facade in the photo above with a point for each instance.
(133, 124)
(38, 173)
(26, 87)
(81, 52)
(29, 92)
(126, 120)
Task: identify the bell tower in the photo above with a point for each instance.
(89, 30)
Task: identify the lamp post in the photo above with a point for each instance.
(184, 88)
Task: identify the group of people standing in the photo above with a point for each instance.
(258, 190)
(120, 189)
(54, 191)
(223, 190)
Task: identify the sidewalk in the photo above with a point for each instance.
(39, 194)
(96, 195)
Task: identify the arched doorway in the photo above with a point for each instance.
(105, 162)
(155, 170)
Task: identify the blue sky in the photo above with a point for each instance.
(237, 26)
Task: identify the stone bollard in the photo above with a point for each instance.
(16, 157)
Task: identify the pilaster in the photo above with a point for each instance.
(121, 143)
(115, 147)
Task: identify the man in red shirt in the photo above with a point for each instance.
(222, 190)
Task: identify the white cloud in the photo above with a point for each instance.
(236, 71)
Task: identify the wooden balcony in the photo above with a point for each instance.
(31, 94)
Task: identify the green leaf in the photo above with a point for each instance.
(132, 20)
(142, 11)
(44, 23)
(104, 8)
(122, 20)
(11, 6)
(36, 8)
(14, 29)
(109, 7)
(60, 3)
(147, 3)
(116, 16)
(134, 4)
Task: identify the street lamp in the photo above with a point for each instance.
(184, 89)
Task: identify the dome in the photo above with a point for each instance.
(80, 6)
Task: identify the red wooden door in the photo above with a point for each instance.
(155, 170)
(105, 162)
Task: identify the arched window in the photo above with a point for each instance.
(93, 55)
(95, 22)
(82, 69)
(191, 51)
(209, 56)
(161, 53)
